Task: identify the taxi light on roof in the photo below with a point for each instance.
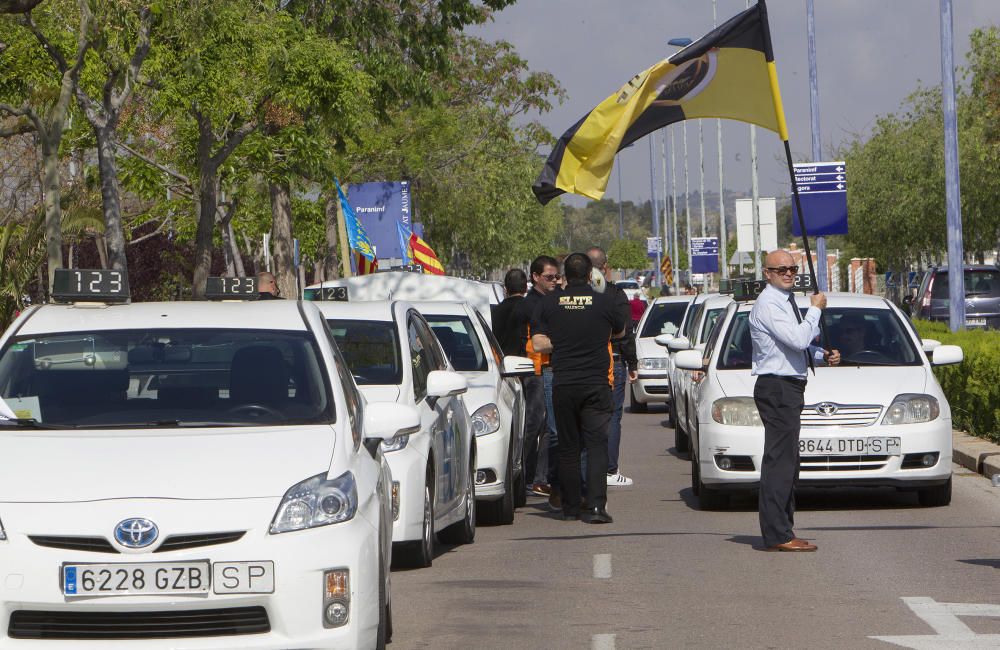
(239, 288)
(90, 285)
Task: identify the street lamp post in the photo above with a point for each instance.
(621, 218)
(723, 262)
(952, 192)
(656, 222)
(684, 42)
(817, 153)
(673, 205)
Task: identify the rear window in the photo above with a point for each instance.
(663, 318)
(371, 350)
(984, 282)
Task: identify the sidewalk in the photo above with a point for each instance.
(976, 454)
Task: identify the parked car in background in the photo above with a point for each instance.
(663, 316)
(632, 288)
(982, 296)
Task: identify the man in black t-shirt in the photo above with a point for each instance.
(506, 328)
(577, 325)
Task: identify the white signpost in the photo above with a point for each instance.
(768, 224)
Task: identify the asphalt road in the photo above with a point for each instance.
(666, 575)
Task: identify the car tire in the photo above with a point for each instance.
(635, 405)
(501, 511)
(936, 496)
(681, 442)
(420, 554)
(384, 630)
(671, 414)
(520, 490)
(464, 531)
(695, 475)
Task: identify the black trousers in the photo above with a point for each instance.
(779, 401)
(534, 423)
(582, 417)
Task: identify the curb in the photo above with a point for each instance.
(979, 455)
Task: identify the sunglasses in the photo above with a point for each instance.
(782, 270)
(552, 277)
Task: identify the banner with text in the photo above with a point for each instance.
(379, 206)
(704, 254)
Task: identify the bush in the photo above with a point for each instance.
(973, 386)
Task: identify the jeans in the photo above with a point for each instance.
(552, 451)
(615, 426)
(535, 429)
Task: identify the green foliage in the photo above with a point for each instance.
(22, 250)
(627, 254)
(973, 386)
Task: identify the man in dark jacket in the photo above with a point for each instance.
(267, 287)
(625, 366)
(505, 327)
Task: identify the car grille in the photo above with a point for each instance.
(173, 624)
(843, 415)
(841, 463)
(102, 545)
(658, 390)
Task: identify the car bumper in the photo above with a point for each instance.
(741, 443)
(491, 460)
(652, 387)
(409, 470)
(30, 575)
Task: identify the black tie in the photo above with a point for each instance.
(798, 317)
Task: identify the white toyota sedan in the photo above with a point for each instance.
(663, 316)
(878, 419)
(495, 400)
(204, 475)
(395, 357)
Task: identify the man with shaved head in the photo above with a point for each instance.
(267, 287)
(782, 353)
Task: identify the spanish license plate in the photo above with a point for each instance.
(849, 447)
(976, 322)
(167, 578)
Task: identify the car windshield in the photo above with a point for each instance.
(160, 378)
(865, 337)
(978, 282)
(371, 350)
(663, 318)
(459, 341)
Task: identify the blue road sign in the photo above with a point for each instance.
(823, 192)
(704, 254)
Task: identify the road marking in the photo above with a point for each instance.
(602, 642)
(950, 631)
(602, 566)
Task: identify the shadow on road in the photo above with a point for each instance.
(993, 563)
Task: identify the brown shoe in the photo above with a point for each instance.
(794, 545)
(555, 501)
(541, 489)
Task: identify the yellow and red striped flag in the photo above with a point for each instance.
(366, 265)
(423, 255)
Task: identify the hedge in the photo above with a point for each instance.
(973, 386)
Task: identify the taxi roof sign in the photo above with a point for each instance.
(90, 285)
(238, 288)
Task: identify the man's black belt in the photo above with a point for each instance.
(798, 381)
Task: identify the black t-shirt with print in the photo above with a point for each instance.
(579, 321)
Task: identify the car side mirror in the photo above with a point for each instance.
(387, 421)
(689, 360)
(929, 345)
(445, 383)
(664, 339)
(945, 355)
(678, 343)
(514, 366)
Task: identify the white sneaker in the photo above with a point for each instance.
(619, 480)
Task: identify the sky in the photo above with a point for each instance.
(871, 54)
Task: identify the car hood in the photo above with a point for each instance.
(221, 463)
(843, 385)
(647, 348)
(482, 390)
(380, 392)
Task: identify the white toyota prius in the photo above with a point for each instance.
(198, 475)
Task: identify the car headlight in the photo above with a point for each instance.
(736, 411)
(911, 408)
(317, 501)
(653, 363)
(396, 443)
(486, 420)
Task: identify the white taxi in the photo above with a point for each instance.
(395, 357)
(203, 475)
(663, 316)
(878, 419)
(495, 399)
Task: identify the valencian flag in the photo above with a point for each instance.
(728, 73)
(422, 254)
(357, 238)
(403, 232)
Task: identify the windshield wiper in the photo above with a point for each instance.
(163, 424)
(32, 423)
(870, 363)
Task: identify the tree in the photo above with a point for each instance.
(627, 254)
(40, 92)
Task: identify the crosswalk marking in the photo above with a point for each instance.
(950, 631)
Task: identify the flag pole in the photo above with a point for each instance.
(802, 222)
(345, 248)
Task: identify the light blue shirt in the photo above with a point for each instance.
(778, 338)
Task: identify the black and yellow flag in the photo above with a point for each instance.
(728, 73)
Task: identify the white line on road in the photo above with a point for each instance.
(602, 642)
(950, 631)
(602, 566)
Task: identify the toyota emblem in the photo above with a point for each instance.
(826, 409)
(136, 532)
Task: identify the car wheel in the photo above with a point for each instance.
(420, 554)
(383, 634)
(520, 490)
(935, 497)
(695, 475)
(464, 532)
(680, 440)
(671, 414)
(501, 511)
(635, 405)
